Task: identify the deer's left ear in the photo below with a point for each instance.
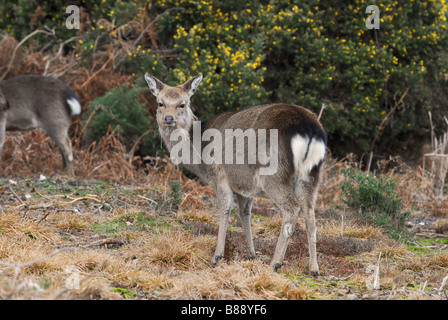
(191, 85)
(3, 102)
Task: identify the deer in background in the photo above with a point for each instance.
(293, 187)
(32, 101)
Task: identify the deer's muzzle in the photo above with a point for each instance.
(169, 119)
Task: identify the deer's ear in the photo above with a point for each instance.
(154, 84)
(3, 102)
(191, 85)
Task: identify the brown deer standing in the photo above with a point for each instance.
(293, 186)
(32, 101)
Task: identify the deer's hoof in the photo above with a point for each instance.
(216, 259)
(314, 274)
(276, 267)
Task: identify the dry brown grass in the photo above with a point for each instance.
(350, 229)
(195, 215)
(438, 260)
(441, 226)
(98, 268)
(12, 224)
(392, 250)
(248, 280)
(170, 256)
(33, 153)
(177, 249)
(270, 225)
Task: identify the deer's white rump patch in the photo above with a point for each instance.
(75, 106)
(306, 156)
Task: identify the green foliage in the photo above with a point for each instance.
(127, 294)
(374, 199)
(21, 17)
(131, 221)
(311, 52)
(176, 193)
(120, 110)
(304, 52)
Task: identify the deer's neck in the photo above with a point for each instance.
(184, 138)
(166, 133)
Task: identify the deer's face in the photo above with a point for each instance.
(173, 102)
(173, 107)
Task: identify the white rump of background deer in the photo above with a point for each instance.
(31, 101)
(301, 146)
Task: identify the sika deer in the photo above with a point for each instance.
(31, 101)
(293, 186)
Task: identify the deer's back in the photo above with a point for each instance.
(33, 98)
(290, 121)
(284, 117)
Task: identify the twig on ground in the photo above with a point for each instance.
(148, 199)
(47, 213)
(31, 262)
(105, 242)
(87, 197)
(18, 198)
(41, 195)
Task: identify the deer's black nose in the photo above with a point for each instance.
(168, 119)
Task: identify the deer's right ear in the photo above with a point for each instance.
(154, 84)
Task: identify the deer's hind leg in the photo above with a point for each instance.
(293, 199)
(306, 192)
(289, 207)
(59, 133)
(245, 210)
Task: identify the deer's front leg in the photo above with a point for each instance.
(224, 197)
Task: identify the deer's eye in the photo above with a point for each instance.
(182, 105)
(160, 104)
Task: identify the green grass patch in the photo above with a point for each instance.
(132, 221)
(430, 242)
(127, 294)
(427, 246)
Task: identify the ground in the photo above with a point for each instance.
(65, 238)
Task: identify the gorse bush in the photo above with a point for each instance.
(312, 52)
(305, 52)
(120, 110)
(375, 199)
